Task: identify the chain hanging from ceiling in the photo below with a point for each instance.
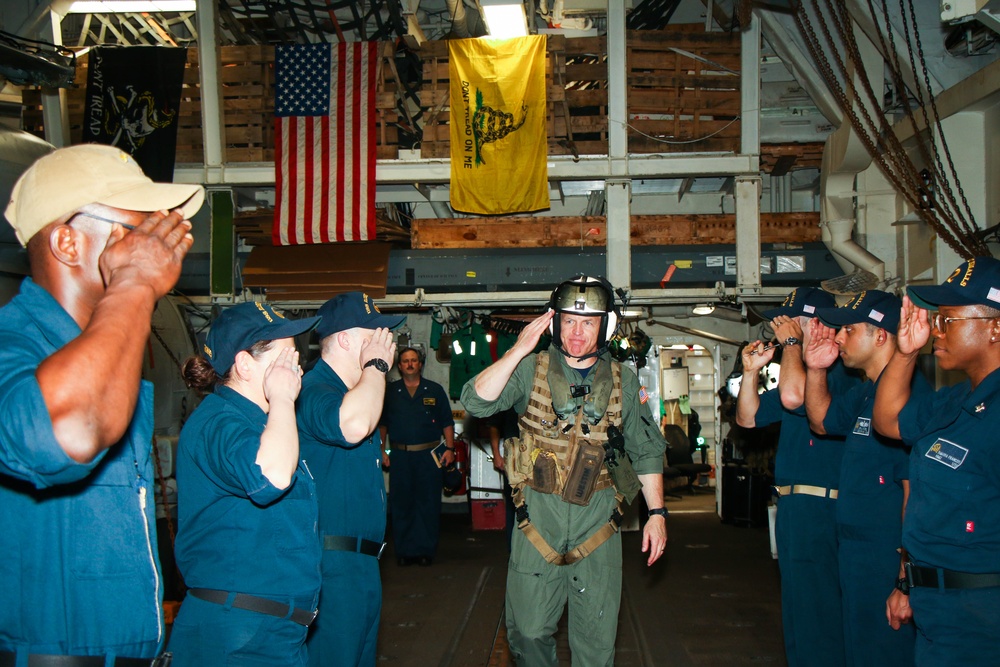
(928, 190)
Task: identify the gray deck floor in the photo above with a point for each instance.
(713, 600)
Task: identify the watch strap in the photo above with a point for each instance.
(660, 511)
(379, 364)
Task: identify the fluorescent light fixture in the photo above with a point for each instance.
(505, 18)
(703, 309)
(130, 6)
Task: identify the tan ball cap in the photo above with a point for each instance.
(67, 179)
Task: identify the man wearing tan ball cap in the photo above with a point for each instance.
(104, 244)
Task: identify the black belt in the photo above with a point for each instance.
(420, 447)
(254, 603)
(359, 544)
(933, 577)
(8, 659)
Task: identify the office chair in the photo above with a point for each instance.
(679, 455)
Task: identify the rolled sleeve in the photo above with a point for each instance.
(770, 410)
(318, 415)
(231, 456)
(514, 395)
(28, 446)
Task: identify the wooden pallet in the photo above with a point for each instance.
(591, 231)
(683, 94)
(779, 159)
(674, 96)
(246, 75)
(683, 91)
(255, 227)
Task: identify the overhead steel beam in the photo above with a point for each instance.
(978, 90)
(213, 124)
(589, 167)
(618, 190)
(55, 109)
(801, 66)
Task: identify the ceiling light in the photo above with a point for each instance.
(130, 6)
(703, 309)
(504, 18)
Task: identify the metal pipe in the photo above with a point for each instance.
(459, 21)
(694, 332)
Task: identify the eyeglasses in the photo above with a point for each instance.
(99, 218)
(941, 323)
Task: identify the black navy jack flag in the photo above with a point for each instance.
(133, 94)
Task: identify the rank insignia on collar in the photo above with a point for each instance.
(980, 407)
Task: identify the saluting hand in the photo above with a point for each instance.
(528, 339)
(151, 254)
(283, 378)
(914, 328)
(380, 346)
(822, 349)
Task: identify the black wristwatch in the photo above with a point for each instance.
(379, 364)
(903, 585)
(659, 511)
(790, 341)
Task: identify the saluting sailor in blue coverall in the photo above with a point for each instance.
(246, 502)
(807, 474)
(873, 475)
(79, 574)
(338, 412)
(415, 416)
(951, 533)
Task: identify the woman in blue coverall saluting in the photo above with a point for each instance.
(247, 513)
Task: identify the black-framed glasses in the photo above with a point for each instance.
(86, 214)
(941, 323)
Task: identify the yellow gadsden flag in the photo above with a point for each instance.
(498, 139)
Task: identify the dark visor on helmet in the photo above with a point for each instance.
(583, 298)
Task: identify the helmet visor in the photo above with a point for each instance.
(582, 298)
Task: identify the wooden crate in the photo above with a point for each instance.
(683, 91)
(575, 88)
(246, 75)
(591, 231)
(683, 94)
(779, 159)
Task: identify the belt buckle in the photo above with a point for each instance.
(908, 572)
(381, 549)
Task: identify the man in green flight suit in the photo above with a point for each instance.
(574, 405)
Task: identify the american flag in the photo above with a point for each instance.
(324, 121)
